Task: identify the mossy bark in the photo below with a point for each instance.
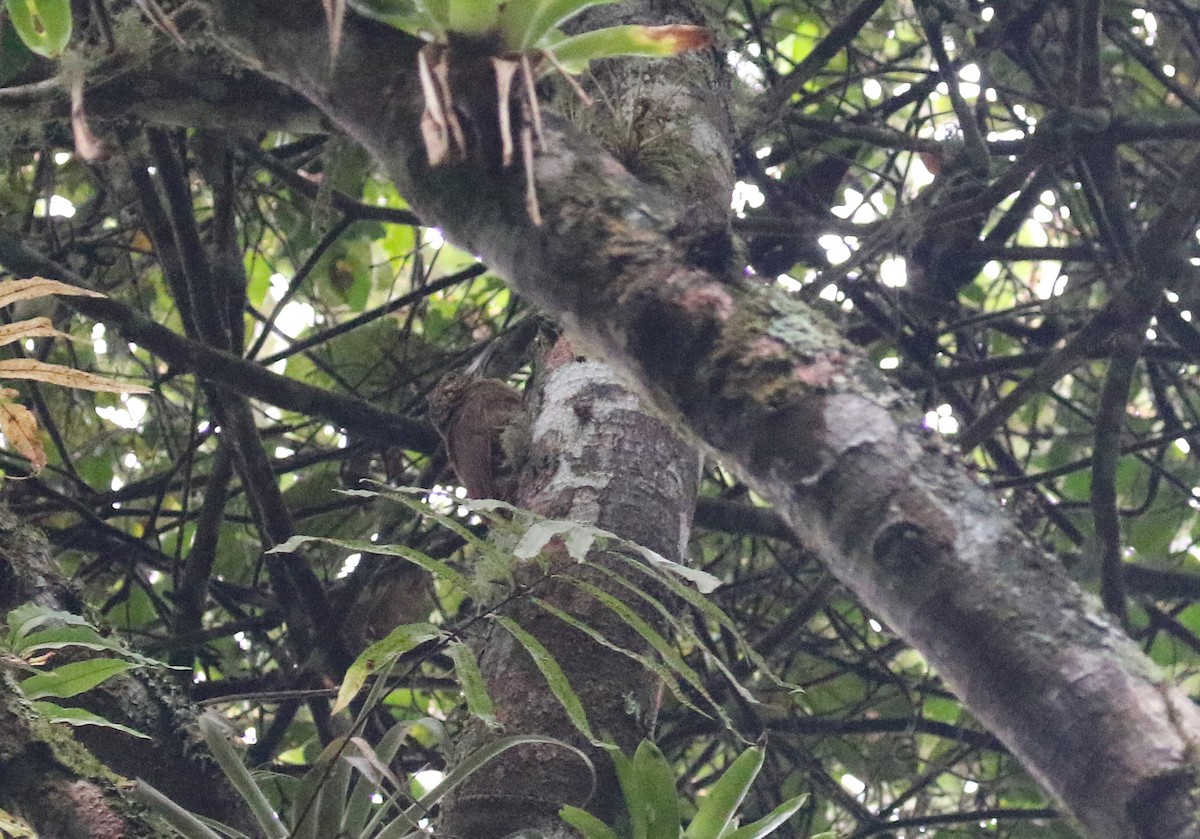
(70, 780)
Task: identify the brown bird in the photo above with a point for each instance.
(471, 413)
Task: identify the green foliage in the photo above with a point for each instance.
(652, 809)
(378, 658)
(521, 536)
(556, 679)
(521, 27)
(349, 791)
(35, 633)
(43, 25)
(466, 667)
(74, 678)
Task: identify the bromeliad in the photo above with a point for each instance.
(513, 43)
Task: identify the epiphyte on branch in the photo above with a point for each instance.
(511, 44)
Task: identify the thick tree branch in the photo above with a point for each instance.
(168, 87)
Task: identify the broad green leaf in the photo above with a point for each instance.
(74, 678)
(553, 674)
(630, 791)
(587, 824)
(27, 617)
(525, 24)
(335, 796)
(439, 12)
(44, 25)
(656, 779)
(78, 716)
(435, 567)
(381, 655)
(85, 637)
(768, 824)
(718, 807)
(318, 803)
(472, 17)
(575, 52)
(466, 667)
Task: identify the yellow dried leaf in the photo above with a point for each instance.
(32, 328)
(31, 368)
(20, 429)
(13, 290)
(141, 242)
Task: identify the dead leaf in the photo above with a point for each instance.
(13, 290)
(141, 243)
(32, 328)
(20, 429)
(335, 14)
(31, 368)
(505, 70)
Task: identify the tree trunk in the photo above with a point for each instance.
(595, 457)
